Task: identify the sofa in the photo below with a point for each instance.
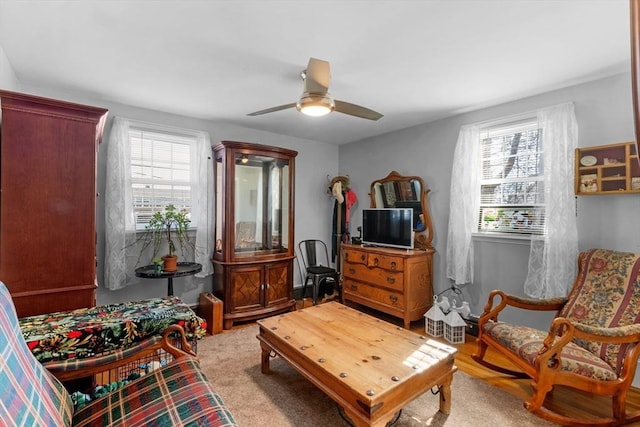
(176, 393)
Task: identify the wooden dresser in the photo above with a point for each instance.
(394, 281)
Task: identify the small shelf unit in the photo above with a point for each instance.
(616, 169)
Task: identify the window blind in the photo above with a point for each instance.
(161, 172)
(512, 180)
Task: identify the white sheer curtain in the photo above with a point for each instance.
(464, 202)
(122, 252)
(204, 206)
(552, 259)
(119, 222)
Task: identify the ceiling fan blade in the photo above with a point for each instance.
(356, 110)
(272, 109)
(317, 78)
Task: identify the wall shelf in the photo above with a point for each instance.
(615, 169)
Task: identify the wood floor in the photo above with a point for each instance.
(566, 401)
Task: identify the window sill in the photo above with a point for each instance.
(516, 239)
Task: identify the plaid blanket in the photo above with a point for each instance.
(178, 394)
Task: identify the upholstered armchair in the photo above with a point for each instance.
(174, 394)
(591, 344)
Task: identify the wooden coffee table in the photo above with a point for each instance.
(369, 367)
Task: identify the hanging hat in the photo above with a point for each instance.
(337, 192)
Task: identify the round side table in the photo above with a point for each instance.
(184, 269)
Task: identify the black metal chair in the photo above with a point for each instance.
(314, 270)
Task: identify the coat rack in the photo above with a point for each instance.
(344, 186)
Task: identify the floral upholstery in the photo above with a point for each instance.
(527, 342)
(605, 295)
(87, 332)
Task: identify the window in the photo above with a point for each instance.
(161, 172)
(511, 178)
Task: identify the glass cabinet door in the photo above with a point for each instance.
(256, 203)
(261, 203)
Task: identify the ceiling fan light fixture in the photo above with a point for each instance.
(315, 105)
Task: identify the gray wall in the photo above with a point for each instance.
(8, 79)
(604, 114)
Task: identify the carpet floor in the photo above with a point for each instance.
(283, 398)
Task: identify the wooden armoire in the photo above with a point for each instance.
(48, 196)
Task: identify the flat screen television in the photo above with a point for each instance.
(392, 227)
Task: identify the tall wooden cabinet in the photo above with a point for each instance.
(48, 202)
(254, 246)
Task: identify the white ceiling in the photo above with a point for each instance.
(413, 61)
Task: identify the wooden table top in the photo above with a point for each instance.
(356, 358)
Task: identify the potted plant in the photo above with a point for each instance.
(171, 225)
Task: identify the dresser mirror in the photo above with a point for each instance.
(399, 191)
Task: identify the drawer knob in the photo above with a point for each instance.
(376, 261)
(352, 270)
(393, 298)
(354, 287)
(391, 280)
(361, 257)
(393, 265)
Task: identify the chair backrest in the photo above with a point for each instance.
(606, 294)
(314, 253)
(31, 396)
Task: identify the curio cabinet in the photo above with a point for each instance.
(254, 246)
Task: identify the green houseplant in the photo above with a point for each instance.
(171, 225)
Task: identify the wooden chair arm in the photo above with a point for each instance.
(492, 309)
(563, 331)
(617, 335)
(81, 368)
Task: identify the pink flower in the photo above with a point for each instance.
(598, 264)
(580, 312)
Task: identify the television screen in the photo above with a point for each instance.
(391, 227)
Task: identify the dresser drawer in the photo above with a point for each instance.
(354, 256)
(385, 261)
(382, 296)
(376, 276)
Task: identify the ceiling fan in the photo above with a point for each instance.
(315, 99)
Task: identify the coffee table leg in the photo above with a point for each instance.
(266, 355)
(445, 395)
